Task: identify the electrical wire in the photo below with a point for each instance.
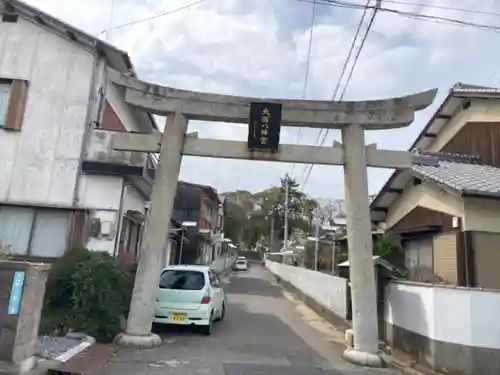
(444, 7)
(344, 4)
(411, 15)
(111, 14)
(420, 16)
(308, 169)
(346, 62)
(308, 63)
(153, 17)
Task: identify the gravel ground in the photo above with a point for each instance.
(52, 347)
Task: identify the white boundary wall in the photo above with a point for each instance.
(449, 314)
(327, 290)
(223, 262)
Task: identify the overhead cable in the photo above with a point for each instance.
(153, 17)
(308, 63)
(344, 68)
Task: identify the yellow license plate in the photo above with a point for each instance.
(177, 317)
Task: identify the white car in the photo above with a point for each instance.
(241, 265)
(190, 295)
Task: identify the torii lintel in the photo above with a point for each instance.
(372, 114)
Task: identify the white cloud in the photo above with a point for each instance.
(259, 48)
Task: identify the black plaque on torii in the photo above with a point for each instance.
(264, 126)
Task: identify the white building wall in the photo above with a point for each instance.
(448, 314)
(133, 200)
(99, 192)
(40, 163)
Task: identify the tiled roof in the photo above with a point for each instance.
(462, 173)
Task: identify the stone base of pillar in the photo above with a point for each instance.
(359, 358)
(138, 342)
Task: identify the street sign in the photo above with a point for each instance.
(16, 293)
(264, 126)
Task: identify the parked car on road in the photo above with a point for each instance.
(190, 295)
(241, 265)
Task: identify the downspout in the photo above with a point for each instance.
(90, 120)
(120, 219)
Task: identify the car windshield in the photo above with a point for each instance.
(182, 280)
(240, 262)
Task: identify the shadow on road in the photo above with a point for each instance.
(249, 333)
(253, 286)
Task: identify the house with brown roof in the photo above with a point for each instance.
(447, 215)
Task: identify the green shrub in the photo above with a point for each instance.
(87, 291)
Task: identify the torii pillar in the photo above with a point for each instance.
(352, 118)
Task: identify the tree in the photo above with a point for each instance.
(309, 206)
(235, 220)
(243, 224)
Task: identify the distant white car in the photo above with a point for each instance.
(190, 295)
(241, 265)
(241, 258)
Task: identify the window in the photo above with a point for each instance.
(4, 101)
(182, 280)
(13, 95)
(39, 232)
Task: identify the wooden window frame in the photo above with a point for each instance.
(16, 106)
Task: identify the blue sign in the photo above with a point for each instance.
(16, 293)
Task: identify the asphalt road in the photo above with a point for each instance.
(265, 332)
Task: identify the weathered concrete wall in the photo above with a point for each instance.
(326, 290)
(223, 263)
(40, 162)
(99, 148)
(19, 329)
(449, 329)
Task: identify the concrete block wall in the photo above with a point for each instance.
(449, 329)
(327, 291)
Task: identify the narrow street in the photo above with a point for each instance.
(265, 332)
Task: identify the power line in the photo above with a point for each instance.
(444, 7)
(346, 62)
(111, 14)
(353, 44)
(343, 4)
(419, 16)
(412, 15)
(308, 63)
(153, 17)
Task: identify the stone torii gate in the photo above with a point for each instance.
(352, 118)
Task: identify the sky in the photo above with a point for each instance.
(260, 48)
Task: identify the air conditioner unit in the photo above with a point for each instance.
(456, 222)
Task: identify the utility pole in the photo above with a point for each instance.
(333, 254)
(285, 237)
(316, 240)
(271, 239)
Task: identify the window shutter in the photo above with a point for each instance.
(17, 105)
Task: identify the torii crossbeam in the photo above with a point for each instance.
(352, 118)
